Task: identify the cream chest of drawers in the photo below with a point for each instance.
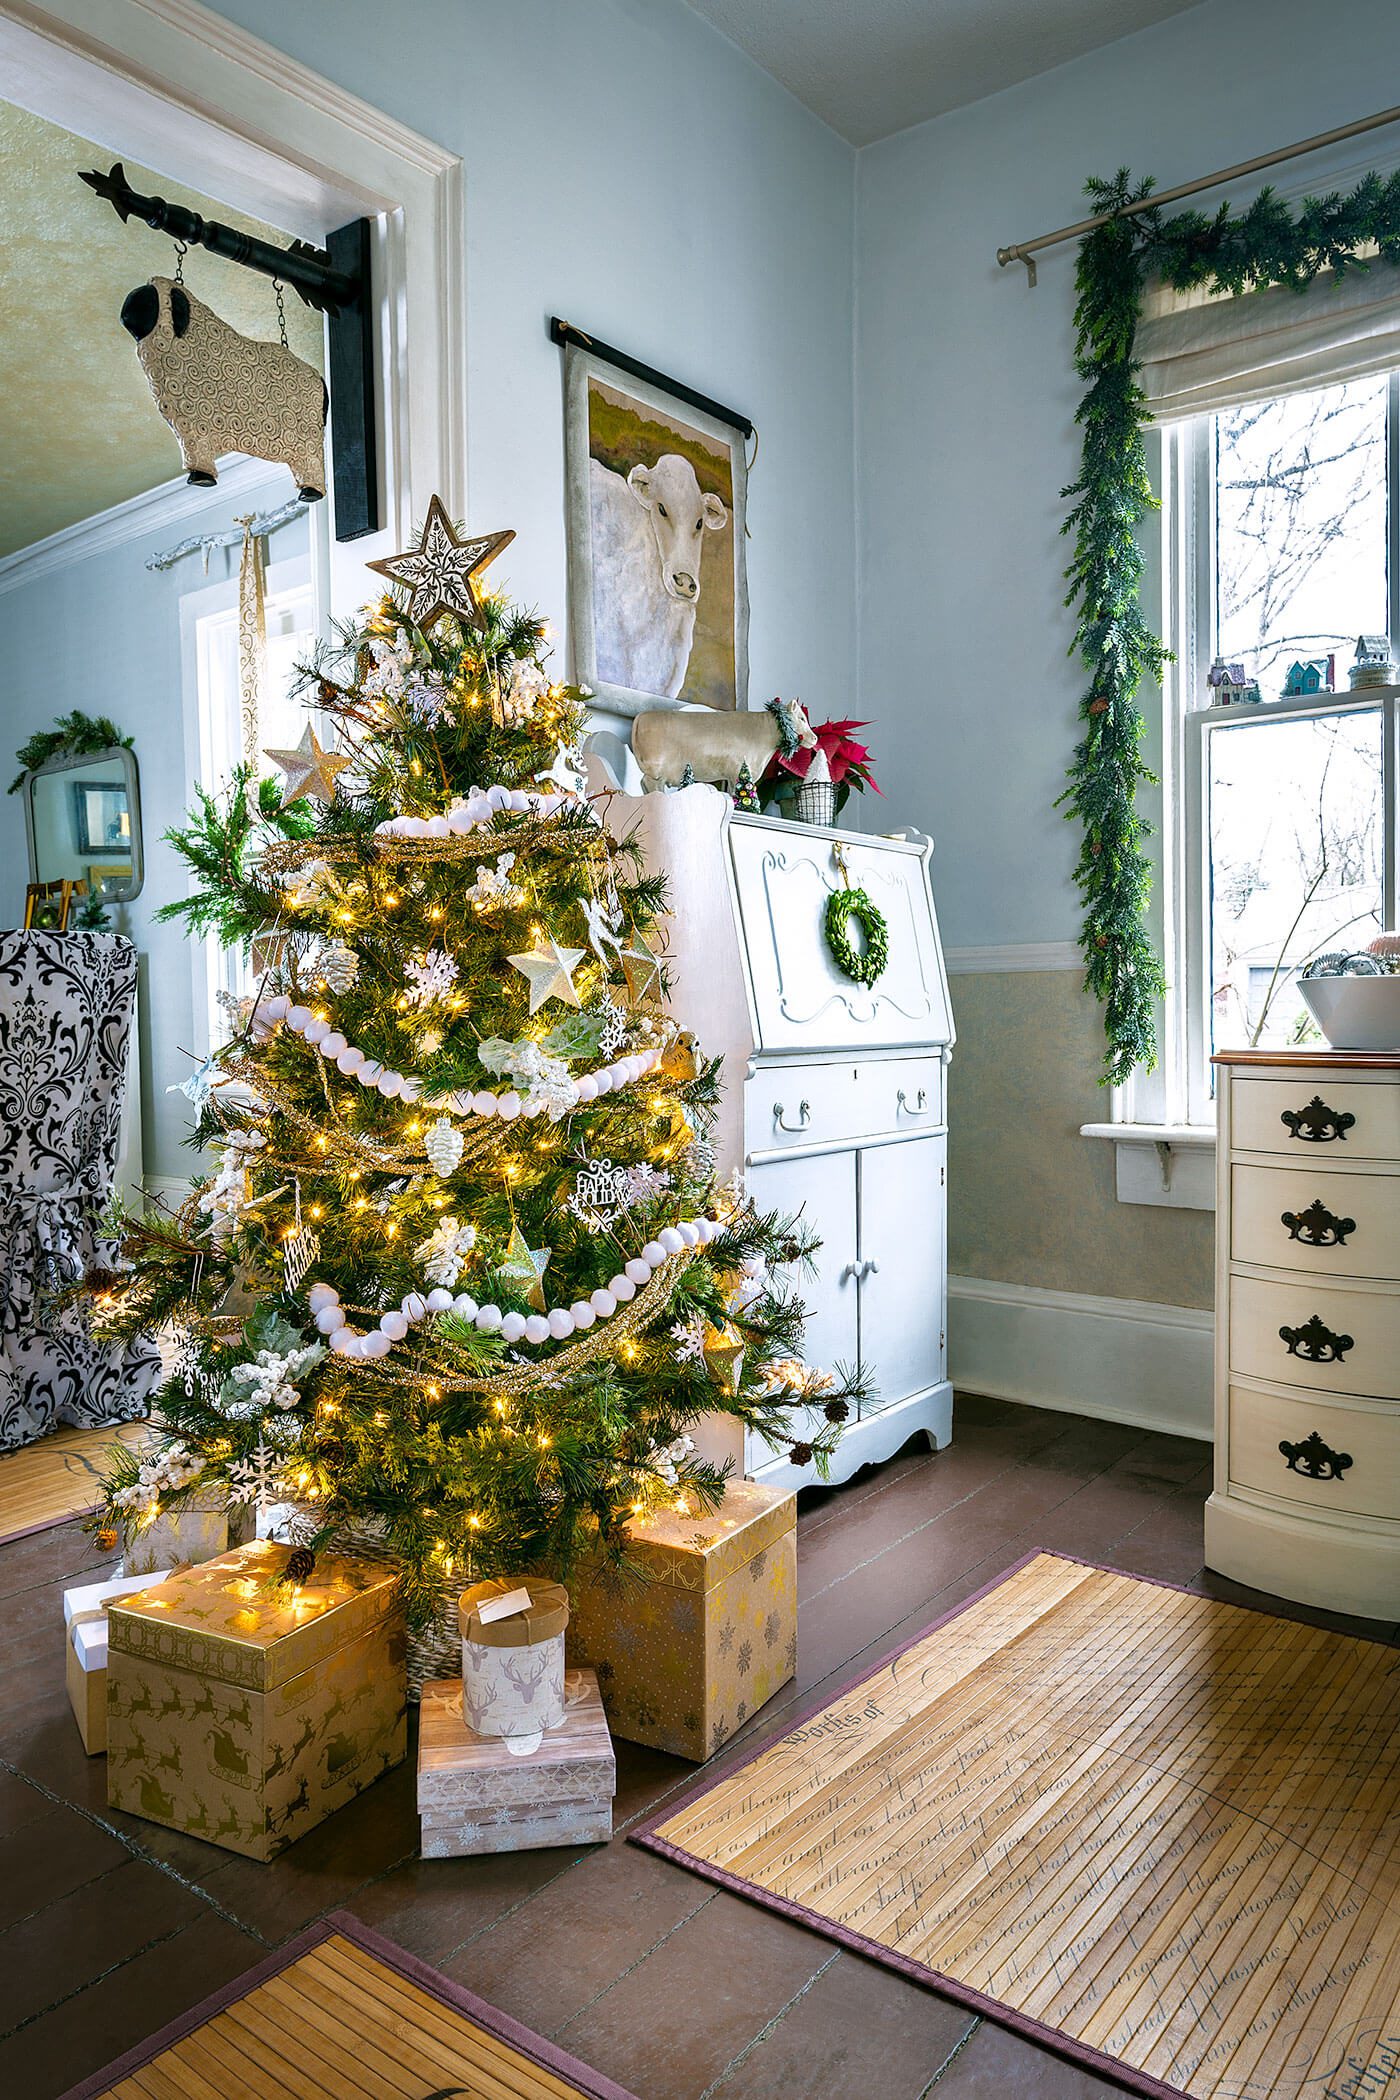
(1307, 1371)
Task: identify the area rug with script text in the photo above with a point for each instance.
(339, 2012)
(1158, 1833)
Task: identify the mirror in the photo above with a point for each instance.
(83, 817)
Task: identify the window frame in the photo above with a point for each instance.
(1179, 1092)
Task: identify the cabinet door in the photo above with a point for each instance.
(902, 1213)
(823, 1191)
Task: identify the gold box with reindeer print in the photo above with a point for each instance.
(245, 1711)
(686, 1655)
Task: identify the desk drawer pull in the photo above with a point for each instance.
(1315, 1343)
(1317, 1226)
(804, 1117)
(1314, 1459)
(1317, 1124)
(917, 1107)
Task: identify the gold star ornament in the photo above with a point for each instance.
(525, 1265)
(642, 970)
(550, 972)
(309, 769)
(438, 572)
(724, 1356)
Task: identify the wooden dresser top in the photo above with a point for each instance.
(1337, 1060)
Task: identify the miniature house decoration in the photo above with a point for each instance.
(1372, 665)
(1231, 684)
(1311, 674)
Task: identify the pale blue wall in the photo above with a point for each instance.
(966, 396)
(104, 635)
(628, 168)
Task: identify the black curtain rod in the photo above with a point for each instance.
(565, 332)
(307, 269)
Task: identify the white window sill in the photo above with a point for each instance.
(1168, 1164)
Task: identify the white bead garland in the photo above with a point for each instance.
(468, 813)
(556, 1325)
(279, 1011)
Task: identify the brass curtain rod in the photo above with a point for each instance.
(1025, 251)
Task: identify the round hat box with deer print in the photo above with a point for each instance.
(513, 1655)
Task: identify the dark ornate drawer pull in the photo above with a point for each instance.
(1315, 1343)
(1316, 1459)
(1317, 1124)
(1317, 1226)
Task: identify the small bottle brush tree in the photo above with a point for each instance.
(462, 1273)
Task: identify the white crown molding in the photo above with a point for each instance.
(170, 504)
(1117, 1359)
(1014, 955)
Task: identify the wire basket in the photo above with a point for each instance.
(815, 802)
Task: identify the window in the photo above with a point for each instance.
(1283, 530)
(214, 731)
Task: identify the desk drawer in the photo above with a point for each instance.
(1315, 1116)
(1316, 1334)
(1336, 1457)
(790, 1105)
(1301, 1217)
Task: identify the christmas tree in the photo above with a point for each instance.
(462, 1273)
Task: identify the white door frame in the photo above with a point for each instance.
(177, 88)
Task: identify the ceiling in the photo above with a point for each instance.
(870, 67)
(78, 428)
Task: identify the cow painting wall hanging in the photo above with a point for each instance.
(224, 392)
(658, 600)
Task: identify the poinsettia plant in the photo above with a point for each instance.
(848, 762)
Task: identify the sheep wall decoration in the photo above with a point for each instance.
(224, 392)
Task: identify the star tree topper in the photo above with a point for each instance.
(309, 769)
(550, 969)
(526, 1265)
(438, 572)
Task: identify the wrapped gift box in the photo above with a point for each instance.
(85, 1620)
(480, 1793)
(513, 1665)
(174, 1539)
(685, 1657)
(245, 1711)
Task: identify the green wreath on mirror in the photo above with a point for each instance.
(863, 967)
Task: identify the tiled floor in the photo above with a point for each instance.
(110, 1926)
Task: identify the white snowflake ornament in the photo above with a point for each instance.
(430, 977)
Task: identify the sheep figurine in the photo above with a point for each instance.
(223, 392)
(713, 746)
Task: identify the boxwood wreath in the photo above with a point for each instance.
(1267, 243)
(841, 907)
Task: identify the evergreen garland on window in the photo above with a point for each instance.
(1267, 243)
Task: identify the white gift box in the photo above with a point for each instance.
(85, 1618)
(481, 1793)
(513, 1656)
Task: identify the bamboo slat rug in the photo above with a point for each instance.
(56, 1478)
(1159, 1833)
(340, 2014)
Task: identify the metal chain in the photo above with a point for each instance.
(181, 251)
(281, 311)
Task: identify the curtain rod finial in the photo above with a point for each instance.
(1011, 255)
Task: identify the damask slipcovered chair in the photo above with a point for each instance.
(66, 1007)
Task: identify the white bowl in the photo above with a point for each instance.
(1355, 1013)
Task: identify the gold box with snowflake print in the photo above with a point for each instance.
(245, 1711)
(685, 1657)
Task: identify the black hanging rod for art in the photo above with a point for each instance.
(308, 270)
(565, 332)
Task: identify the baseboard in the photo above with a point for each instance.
(1119, 1359)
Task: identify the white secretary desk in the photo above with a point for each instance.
(836, 1093)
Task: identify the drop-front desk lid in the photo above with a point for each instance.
(784, 874)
